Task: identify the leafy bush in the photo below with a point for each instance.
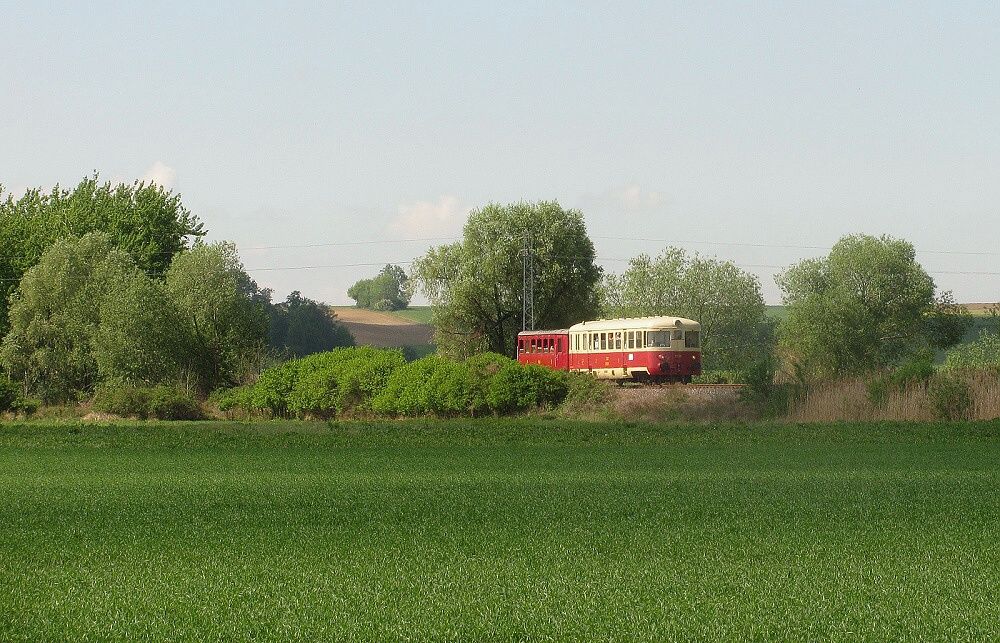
(950, 397)
(271, 391)
(9, 395)
(585, 394)
(407, 391)
(485, 383)
(170, 403)
(233, 400)
(516, 387)
(918, 370)
(161, 402)
(982, 354)
(122, 399)
(325, 384)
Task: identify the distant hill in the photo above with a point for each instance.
(396, 329)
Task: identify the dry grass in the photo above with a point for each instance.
(666, 403)
(848, 401)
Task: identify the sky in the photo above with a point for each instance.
(756, 132)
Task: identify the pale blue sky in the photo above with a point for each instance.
(290, 124)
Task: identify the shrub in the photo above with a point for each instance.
(517, 388)
(950, 397)
(326, 384)
(585, 394)
(407, 391)
(162, 402)
(982, 354)
(122, 399)
(487, 382)
(918, 370)
(171, 403)
(271, 391)
(9, 395)
(233, 400)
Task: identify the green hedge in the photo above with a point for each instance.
(144, 402)
(370, 380)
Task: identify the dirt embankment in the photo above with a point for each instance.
(384, 330)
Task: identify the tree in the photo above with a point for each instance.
(301, 326)
(224, 312)
(385, 291)
(865, 306)
(85, 313)
(147, 222)
(725, 299)
(475, 285)
(141, 338)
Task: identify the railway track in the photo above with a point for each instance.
(721, 387)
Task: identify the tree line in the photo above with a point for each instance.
(112, 284)
(106, 283)
(868, 305)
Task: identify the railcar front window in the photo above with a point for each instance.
(692, 339)
(658, 339)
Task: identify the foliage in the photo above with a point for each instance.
(300, 326)
(55, 315)
(866, 306)
(325, 384)
(950, 397)
(147, 222)
(436, 385)
(917, 370)
(983, 353)
(724, 298)
(221, 310)
(162, 402)
(141, 336)
(234, 400)
(87, 313)
(9, 395)
(475, 285)
(386, 291)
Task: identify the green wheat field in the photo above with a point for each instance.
(499, 530)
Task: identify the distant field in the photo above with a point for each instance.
(499, 530)
(387, 329)
(418, 314)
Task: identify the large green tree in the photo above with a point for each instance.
(385, 291)
(147, 222)
(82, 313)
(223, 311)
(869, 304)
(724, 298)
(475, 285)
(300, 326)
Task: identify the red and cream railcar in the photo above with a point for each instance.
(643, 349)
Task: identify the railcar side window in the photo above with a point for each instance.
(630, 339)
(692, 339)
(658, 339)
(618, 340)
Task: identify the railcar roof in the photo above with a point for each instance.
(631, 323)
(558, 331)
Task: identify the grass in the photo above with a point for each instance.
(499, 530)
(418, 314)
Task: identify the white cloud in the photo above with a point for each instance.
(161, 174)
(446, 216)
(633, 197)
(627, 199)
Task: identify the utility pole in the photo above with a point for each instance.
(527, 284)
